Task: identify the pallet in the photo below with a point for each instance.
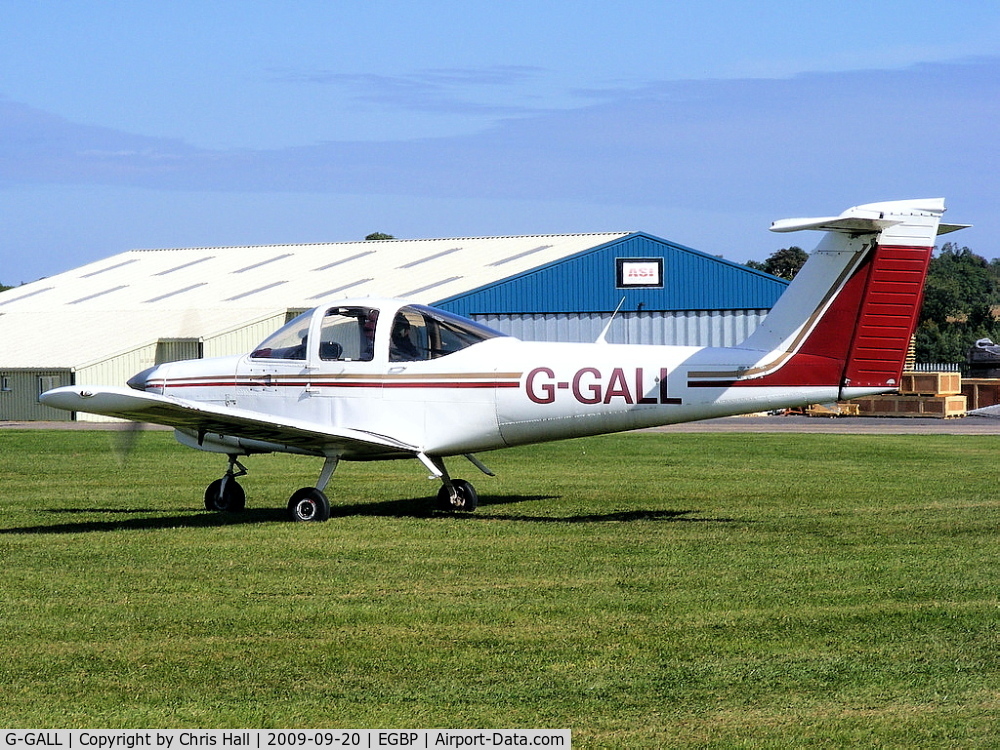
(838, 409)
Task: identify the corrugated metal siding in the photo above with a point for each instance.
(118, 369)
(174, 350)
(19, 391)
(586, 282)
(114, 371)
(685, 328)
(241, 340)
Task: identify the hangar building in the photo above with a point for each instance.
(103, 322)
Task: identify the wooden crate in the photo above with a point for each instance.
(981, 392)
(931, 383)
(944, 407)
(940, 407)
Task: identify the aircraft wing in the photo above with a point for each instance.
(204, 419)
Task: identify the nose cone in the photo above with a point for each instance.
(140, 380)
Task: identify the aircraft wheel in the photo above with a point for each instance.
(225, 494)
(468, 498)
(309, 504)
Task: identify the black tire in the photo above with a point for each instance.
(309, 504)
(225, 494)
(468, 498)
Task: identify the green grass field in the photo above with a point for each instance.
(644, 590)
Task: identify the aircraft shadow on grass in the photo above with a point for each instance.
(408, 508)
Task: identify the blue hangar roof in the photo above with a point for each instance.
(649, 272)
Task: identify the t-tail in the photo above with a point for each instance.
(847, 319)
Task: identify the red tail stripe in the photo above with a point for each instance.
(862, 338)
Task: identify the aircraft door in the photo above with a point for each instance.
(273, 376)
(440, 398)
(347, 367)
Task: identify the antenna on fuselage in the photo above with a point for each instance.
(603, 338)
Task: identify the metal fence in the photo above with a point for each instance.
(938, 367)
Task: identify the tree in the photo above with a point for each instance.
(379, 236)
(784, 263)
(960, 294)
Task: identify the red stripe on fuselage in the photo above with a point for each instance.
(332, 384)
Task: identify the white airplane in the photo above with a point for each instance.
(376, 379)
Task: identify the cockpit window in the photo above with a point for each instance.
(348, 333)
(288, 342)
(420, 332)
(408, 338)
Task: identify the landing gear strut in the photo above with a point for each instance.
(226, 493)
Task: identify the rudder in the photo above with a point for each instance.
(887, 317)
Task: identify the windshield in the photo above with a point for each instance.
(288, 342)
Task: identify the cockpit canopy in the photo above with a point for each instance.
(348, 333)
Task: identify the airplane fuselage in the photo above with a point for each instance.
(465, 402)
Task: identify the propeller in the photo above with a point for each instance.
(124, 437)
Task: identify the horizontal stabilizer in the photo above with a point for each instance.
(851, 225)
(871, 218)
(948, 228)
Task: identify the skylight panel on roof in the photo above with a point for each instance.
(109, 268)
(99, 294)
(345, 260)
(29, 294)
(520, 255)
(263, 263)
(255, 291)
(184, 265)
(341, 288)
(435, 256)
(431, 286)
(175, 292)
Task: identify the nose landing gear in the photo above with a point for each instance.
(226, 494)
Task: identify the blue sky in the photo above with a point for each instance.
(174, 124)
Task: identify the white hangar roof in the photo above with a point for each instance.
(128, 300)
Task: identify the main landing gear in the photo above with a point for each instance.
(312, 504)
(306, 504)
(455, 494)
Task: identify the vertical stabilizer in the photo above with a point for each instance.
(848, 316)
